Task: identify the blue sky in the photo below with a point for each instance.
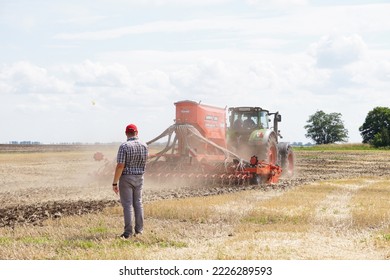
(80, 71)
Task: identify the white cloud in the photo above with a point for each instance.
(110, 93)
(277, 4)
(83, 19)
(370, 74)
(216, 80)
(223, 52)
(190, 2)
(24, 78)
(166, 26)
(161, 3)
(338, 51)
(153, 88)
(96, 74)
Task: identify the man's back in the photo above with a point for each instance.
(133, 154)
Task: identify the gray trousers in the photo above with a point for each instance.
(130, 191)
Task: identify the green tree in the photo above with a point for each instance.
(376, 127)
(325, 128)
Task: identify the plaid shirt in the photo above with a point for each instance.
(133, 154)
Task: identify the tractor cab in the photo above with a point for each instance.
(247, 119)
(251, 132)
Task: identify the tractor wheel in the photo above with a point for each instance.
(269, 152)
(287, 160)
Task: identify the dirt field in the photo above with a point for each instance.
(42, 183)
(43, 173)
(62, 175)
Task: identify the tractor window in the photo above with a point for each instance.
(244, 120)
(264, 119)
(249, 121)
(236, 121)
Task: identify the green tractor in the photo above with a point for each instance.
(250, 136)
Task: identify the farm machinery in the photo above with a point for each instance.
(201, 146)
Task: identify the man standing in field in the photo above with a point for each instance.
(129, 171)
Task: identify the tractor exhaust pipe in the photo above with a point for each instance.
(277, 119)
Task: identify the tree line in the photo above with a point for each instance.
(325, 128)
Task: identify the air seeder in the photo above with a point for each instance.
(201, 146)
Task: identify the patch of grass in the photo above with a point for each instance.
(245, 225)
(183, 209)
(371, 205)
(382, 239)
(5, 240)
(349, 181)
(149, 242)
(274, 218)
(195, 209)
(292, 211)
(171, 244)
(35, 240)
(81, 244)
(100, 229)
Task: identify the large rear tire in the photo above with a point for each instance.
(287, 160)
(269, 152)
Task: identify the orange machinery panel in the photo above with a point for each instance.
(209, 120)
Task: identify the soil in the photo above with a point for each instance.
(39, 182)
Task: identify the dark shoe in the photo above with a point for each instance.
(125, 235)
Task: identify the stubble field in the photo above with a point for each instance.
(53, 207)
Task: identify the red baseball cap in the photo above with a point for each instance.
(131, 128)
